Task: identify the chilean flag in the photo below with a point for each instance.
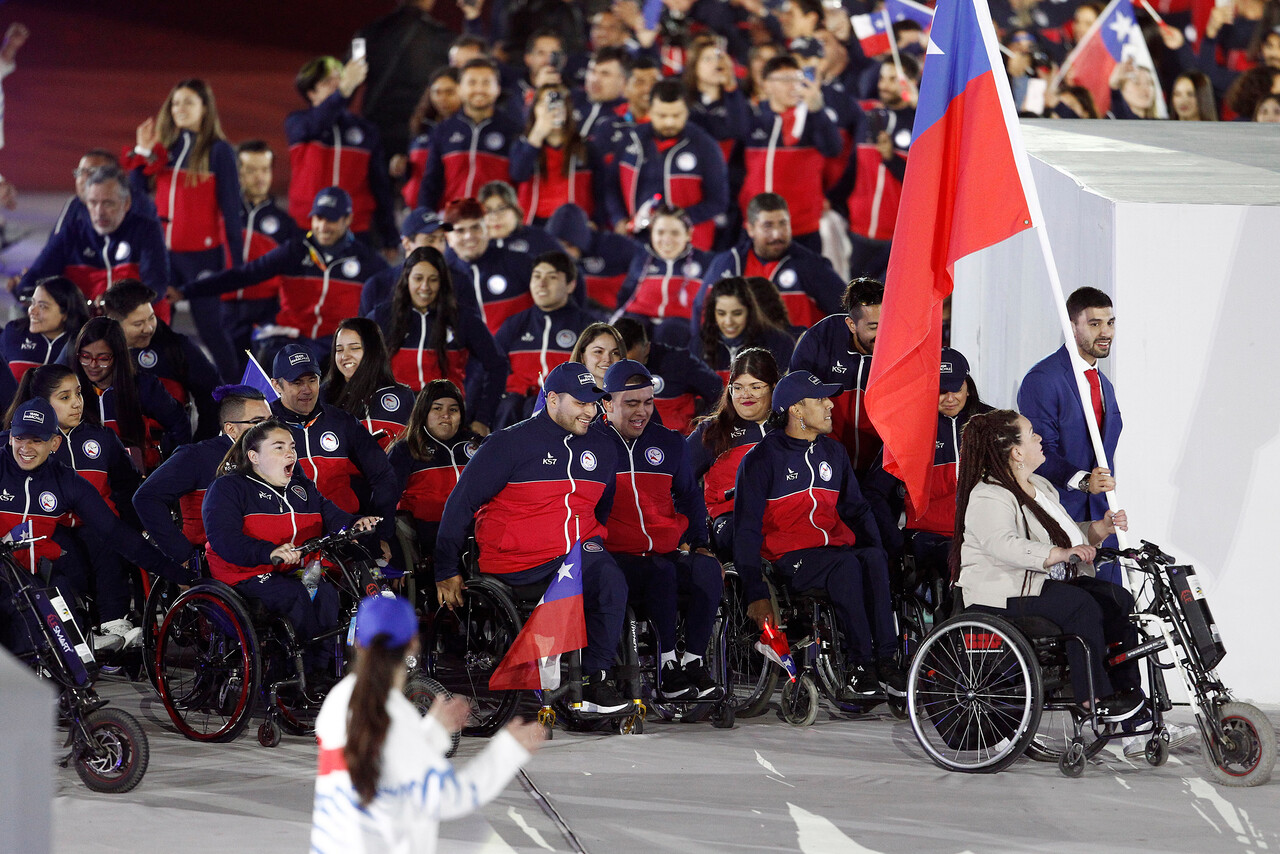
(872, 30)
(556, 626)
(256, 377)
(967, 186)
(1112, 39)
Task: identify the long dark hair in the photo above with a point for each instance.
(446, 306)
(425, 115)
(373, 372)
(237, 459)
(693, 56)
(752, 332)
(130, 422)
(43, 381)
(376, 667)
(70, 301)
(759, 363)
(985, 443)
(210, 128)
(422, 448)
(574, 144)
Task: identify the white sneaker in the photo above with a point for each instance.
(1179, 734)
(128, 634)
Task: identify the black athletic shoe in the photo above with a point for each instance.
(1120, 706)
(695, 672)
(675, 684)
(891, 677)
(599, 695)
(862, 683)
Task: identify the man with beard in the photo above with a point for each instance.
(473, 146)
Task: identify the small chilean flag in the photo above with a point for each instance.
(773, 646)
(967, 186)
(556, 626)
(1112, 39)
(872, 30)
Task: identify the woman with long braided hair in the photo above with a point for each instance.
(1017, 551)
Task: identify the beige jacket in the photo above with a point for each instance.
(1003, 555)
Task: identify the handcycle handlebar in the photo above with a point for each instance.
(326, 541)
(1147, 553)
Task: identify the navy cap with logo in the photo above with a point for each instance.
(801, 385)
(615, 379)
(422, 221)
(806, 47)
(953, 370)
(293, 362)
(389, 617)
(35, 419)
(574, 379)
(332, 203)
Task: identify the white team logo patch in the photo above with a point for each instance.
(824, 470)
(270, 224)
(390, 402)
(787, 279)
(299, 491)
(147, 359)
(123, 250)
(49, 501)
(902, 138)
(658, 384)
(354, 136)
(588, 460)
(565, 338)
(592, 547)
(470, 449)
(686, 161)
(351, 268)
(497, 284)
(594, 264)
(296, 358)
(329, 442)
(831, 114)
(493, 141)
(91, 449)
(521, 246)
(692, 269)
(654, 456)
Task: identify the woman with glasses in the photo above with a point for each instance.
(124, 400)
(53, 320)
(504, 218)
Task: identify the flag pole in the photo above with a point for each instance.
(1153, 13)
(893, 43)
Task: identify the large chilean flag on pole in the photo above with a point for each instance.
(967, 186)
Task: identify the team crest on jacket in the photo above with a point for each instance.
(594, 264)
(654, 456)
(270, 224)
(329, 441)
(297, 490)
(49, 501)
(692, 269)
(497, 284)
(123, 250)
(824, 470)
(351, 268)
(493, 141)
(787, 279)
(521, 246)
(470, 448)
(91, 449)
(354, 136)
(658, 384)
(565, 338)
(390, 402)
(592, 547)
(147, 359)
(686, 161)
(588, 460)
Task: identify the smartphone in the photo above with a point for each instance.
(557, 60)
(357, 48)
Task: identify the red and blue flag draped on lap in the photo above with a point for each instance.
(964, 190)
(558, 625)
(1112, 39)
(871, 30)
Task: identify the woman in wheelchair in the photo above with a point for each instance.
(259, 499)
(1017, 551)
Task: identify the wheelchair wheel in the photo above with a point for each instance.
(1248, 754)
(422, 691)
(466, 645)
(207, 664)
(800, 701)
(974, 694)
(116, 757)
(159, 600)
(832, 664)
(751, 678)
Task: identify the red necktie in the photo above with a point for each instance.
(1095, 393)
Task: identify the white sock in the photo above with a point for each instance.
(668, 658)
(690, 658)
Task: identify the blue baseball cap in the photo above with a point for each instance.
(293, 362)
(385, 616)
(34, 419)
(952, 371)
(422, 221)
(332, 203)
(573, 378)
(801, 385)
(615, 379)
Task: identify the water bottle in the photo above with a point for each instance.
(311, 577)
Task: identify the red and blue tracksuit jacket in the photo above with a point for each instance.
(180, 482)
(871, 188)
(95, 453)
(687, 170)
(777, 342)
(659, 289)
(334, 451)
(246, 518)
(198, 213)
(23, 350)
(535, 341)
(331, 146)
(497, 283)
(780, 160)
(727, 120)
(425, 485)
(95, 261)
(657, 504)
(826, 351)
(53, 495)
(808, 284)
(419, 153)
(265, 226)
(533, 489)
(158, 406)
(388, 412)
(605, 264)
(541, 193)
(320, 285)
(683, 386)
(599, 121)
(466, 155)
(718, 475)
(792, 494)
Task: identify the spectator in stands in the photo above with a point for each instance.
(1192, 98)
(552, 164)
(327, 139)
(603, 258)
(683, 386)
(1069, 102)
(488, 278)
(1133, 92)
(171, 357)
(54, 317)
(1248, 90)
(266, 225)
(473, 146)
(600, 106)
(439, 101)
(183, 157)
(505, 220)
(1268, 109)
(598, 347)
(732, 322)
(420, 227)
(112, 242)
(724, 436)
(360, 380)
(838, 350)
(657, 530)
(663, 282)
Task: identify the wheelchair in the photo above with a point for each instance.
(220, 658)
(985, 689)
